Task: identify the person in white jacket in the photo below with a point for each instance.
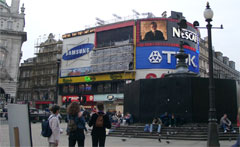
(54, 125)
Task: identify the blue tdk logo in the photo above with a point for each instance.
(78, 51)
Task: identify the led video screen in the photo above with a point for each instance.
(105, 38)
(153, 30)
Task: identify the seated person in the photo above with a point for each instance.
(165, 119)
(172, 121)
(128, 118)
(156, 124)
(226, 124)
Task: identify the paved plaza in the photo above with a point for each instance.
(38, 140)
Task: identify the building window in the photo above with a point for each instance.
(100, 88)
(107, 87)
(81, 88)
(10, 24)
(88, 87)
(71, 89)
(1, 24)
(65, 89)
(2, 58)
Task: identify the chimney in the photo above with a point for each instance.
(232, 64)
(219, 56)
(226, 60)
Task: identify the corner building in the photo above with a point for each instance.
(12, 36)
(98, 62)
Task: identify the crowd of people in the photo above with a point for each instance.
(76, 125)
(77, 119)
(168, 120)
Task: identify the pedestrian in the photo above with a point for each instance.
(226, 124)
(100, 121)
(237, 144)
(54, 124)
(76, 125)
(172, 121)
(156, 125)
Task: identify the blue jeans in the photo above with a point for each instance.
(153, 126)
(225, 127)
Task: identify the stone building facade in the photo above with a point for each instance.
(223, 68)
(12, 23)
(38, 75)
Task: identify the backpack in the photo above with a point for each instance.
(99, 121)
(71, 126)
(46, 130)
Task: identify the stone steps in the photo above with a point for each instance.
(186, 132)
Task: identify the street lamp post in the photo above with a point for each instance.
(212, 121)
(56, 94)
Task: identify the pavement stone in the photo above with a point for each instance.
(39, 141)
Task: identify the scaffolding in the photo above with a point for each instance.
(117, 57)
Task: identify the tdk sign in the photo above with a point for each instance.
(78, 51)
(163, 57)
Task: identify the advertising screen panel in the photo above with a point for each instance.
(165, 31)
(163, 57)
(153, 30)
(77, 55)
(158, 42)
(105, 38)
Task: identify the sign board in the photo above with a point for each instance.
(18, 119)
(163, 57)
(76, 55)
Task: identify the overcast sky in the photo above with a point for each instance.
(65, 16)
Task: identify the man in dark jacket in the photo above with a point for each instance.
(154, 34)
(99, 133)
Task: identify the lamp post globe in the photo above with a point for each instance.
(208, 13)
(213, 140)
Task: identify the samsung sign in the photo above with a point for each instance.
(163, 57)
(78, 51)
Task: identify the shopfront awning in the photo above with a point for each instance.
(108, 97)
(43, 102)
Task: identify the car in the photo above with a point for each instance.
(37, 115)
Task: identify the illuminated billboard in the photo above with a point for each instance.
(157, 43)
(165, 32)
(153, 30)
(163, 57)
(109, 37)
(77, 55)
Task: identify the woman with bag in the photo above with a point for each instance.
(76, 125)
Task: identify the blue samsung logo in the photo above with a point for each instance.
(78, 51)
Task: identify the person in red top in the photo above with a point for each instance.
(238, 121)
(237, 144)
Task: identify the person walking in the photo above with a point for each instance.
(76, 125)
(54, 123)
(100, 121)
